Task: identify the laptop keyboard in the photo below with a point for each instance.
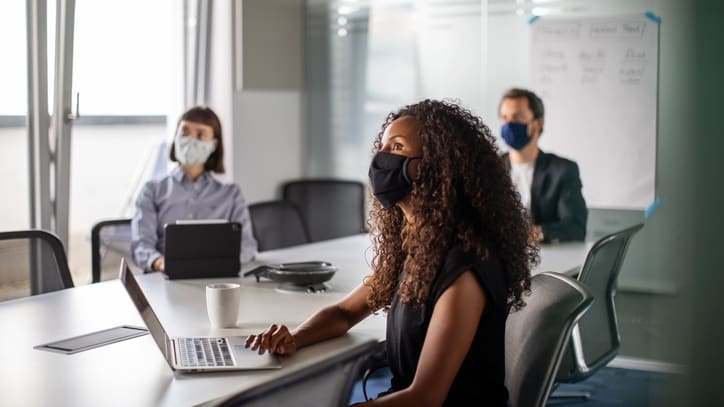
(204, 352)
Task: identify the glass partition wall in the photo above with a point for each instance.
(366, 59)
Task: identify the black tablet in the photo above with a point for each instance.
(202, 249)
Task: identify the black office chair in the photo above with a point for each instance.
(595, 340)
(536, 336)
(32, 262)
(110, 242)
(277, 224)
(330, 208)
(325, 384)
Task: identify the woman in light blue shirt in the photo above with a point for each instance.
(189, 191)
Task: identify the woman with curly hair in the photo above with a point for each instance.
(452, 258)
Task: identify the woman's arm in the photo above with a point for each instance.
(335, 320)
(327, 323)
(240, 213)
(449, 336)
(143, 229)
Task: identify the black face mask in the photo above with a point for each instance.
(389, 178)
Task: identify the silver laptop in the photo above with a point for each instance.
(195, 354)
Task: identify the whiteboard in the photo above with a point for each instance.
(598, 78)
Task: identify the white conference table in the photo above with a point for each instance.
(134, 373)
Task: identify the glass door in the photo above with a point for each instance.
(128, 70)
(14, 185)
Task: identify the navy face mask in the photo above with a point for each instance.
(515, 135)
(389, 178)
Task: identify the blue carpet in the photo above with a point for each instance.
(608, 387)
(619, 387)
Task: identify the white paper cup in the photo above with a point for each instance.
(222, 304)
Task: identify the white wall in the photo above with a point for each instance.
(267, 141)
(451, 46)
(220, 86)
(263, 127)
(507, 62)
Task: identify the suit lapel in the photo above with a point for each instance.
(539, 180)
(506, 161)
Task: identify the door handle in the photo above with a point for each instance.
(70, 116)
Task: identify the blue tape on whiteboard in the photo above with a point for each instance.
(653, 17)
(650, 210)
(533, 19)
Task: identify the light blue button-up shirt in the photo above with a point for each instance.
(176, 197)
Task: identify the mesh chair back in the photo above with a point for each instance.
(32, 262)
(324, 384)
(596, 339)
(110, 242)
(277, 224)
(329, 208)
(535, 336)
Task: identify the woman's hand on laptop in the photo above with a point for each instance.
(275, 339)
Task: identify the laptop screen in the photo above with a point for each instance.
(144, 308)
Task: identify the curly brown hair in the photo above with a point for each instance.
(462, 196)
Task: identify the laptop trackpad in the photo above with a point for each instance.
(251, 359)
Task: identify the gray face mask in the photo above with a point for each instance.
(190, 151)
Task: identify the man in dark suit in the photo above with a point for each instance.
(549, 185)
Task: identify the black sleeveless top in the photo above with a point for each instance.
(481, 378)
